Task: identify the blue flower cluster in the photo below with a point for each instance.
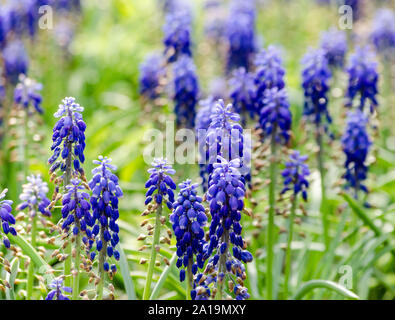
(76, 208)
(27, 94)
(151, 72)
(177, 30)
(242, 92)
(69, 130)
(240, 33)
(188, 219)
(275, 116)
(16, 60)
(186, 91)
(215, 22)
(226, 198)
(356, 8)
(58, 292)
(334, 43)
(295, 174)
(34, 196)
(383, 33)
(6, 219)
(315, 81)
(161, 182)
(363, 78)
(356, 144)
(269, 73)
(104, 200)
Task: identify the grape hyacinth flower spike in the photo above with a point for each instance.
(27, 93)
(6, 219)
(151, 72)
(16, 61)
(104, 200)
(363, 79)
(315, 82)
(160, 190)
(242, 93)
(68, 141)
(226, 248)
(383, 34)
(34, 198)
(295, 177)
(188, 219)
(58, 292)
(356, 144)
(334, 44)
(186, 91)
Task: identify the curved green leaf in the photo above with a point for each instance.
(330, 285)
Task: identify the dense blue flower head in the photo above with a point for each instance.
(356, 8)
(58, 292)
(104, 200)
(160, 183)
(269, 72)
(226, 200)
(334, 43)
(240, 33)
(363, 79)
(76, 208)
(34, 196)
(242, 92)
(68, 136)
(151, 71)
(383, 33)
(16, 60)
(177, 34)
(6, 219)
(275, 117)
(27, 93)
(295, 174)
(356, 144)
(186, 91)
(188, 219)
(315, 81)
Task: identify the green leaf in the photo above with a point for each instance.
(10, 277)
(124, 266)
(163, 277)
(330, 285)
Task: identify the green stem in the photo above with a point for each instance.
(323, 208)
(313, 284)
(222, 262)
(163, 277)
(77, 262)
(189, 280)
(271, 226)
(155, 242)
(67, 262)
(30, 274)
(102, 274)
(289, 243)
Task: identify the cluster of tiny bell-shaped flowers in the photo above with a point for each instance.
(151, 72)
(269, 73)
(295, 175)
(240, 34)
(315, 82)
(159, 184)
(243, 93)
(59, 291)
(383, 33)
(34, 196)
(188, 219)
(275, 117)
(104, 200)
(334, 43)
(356, 144)
(363, 79)
(75, 208)
(27, 94)
(68, 137)
(6, 219)
(186, 91)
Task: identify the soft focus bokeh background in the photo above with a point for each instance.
(101, 68)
